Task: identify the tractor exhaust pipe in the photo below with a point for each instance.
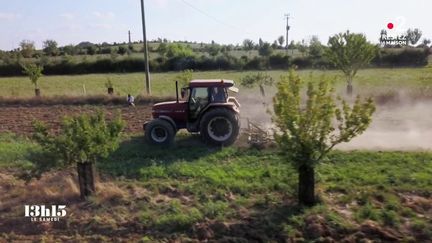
(177, 94)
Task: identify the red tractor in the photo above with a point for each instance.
(206, 108)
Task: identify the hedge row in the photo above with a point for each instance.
(408, 57)
(386, 58)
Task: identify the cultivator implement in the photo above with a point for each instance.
(258, 136)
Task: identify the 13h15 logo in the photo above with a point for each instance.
(42, 213)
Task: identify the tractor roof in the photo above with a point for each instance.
(211, 83)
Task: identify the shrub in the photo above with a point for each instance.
(255, 64)
(279, 61)
(302, 62)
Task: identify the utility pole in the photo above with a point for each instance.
(146, 57)
(287, 16)
(130, 42)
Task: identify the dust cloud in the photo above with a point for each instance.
(400, 124)
(405, 126)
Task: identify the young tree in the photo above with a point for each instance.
(184, 77)
(50, 47)
(34, 72)
(281, 40)
(260, 42)
(91, 50)
(316, 49)
(308, 131)
(349, 52)
(27, 48)
(70, 50)
(248, 45)
(275, 45)
(83, 140)
(179, 51)
(162, 49)
(265, 50)
(213, 49)
(302, 48)
(122, 50)
(292, 45)
(259, 79)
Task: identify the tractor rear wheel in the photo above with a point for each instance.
(159, 132)
(220, 126)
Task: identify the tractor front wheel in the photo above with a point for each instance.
(220, 126)
(159, 132)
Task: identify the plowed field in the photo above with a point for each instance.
(18, 119)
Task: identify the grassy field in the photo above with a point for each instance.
(419, 79)
(230, 194)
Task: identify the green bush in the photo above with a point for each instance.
(279, 61)
(408, 57)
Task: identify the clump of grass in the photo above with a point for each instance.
(216, 210)
(171, 217)
(15, 151)
(422, 227)
(367, 211)
(390, 217)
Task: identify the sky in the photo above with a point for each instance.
(224, 21)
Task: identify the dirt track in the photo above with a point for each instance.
(18, 119)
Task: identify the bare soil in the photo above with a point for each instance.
(19, 119)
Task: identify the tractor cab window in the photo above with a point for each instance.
(218, 95)
(198, 100)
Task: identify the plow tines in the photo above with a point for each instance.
(257, 136)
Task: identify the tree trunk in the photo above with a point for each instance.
(306, 190)
(37, 92)
(86, 179)
(349, 89)
(110, 91)
(349, 86)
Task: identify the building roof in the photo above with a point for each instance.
(211, 83)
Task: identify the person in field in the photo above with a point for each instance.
(130, 100)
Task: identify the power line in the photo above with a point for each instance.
(208, 15)
(218, 20)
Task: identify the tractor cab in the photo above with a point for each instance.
(202, 94)
(200, 100)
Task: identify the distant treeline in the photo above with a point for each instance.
(407, 57)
